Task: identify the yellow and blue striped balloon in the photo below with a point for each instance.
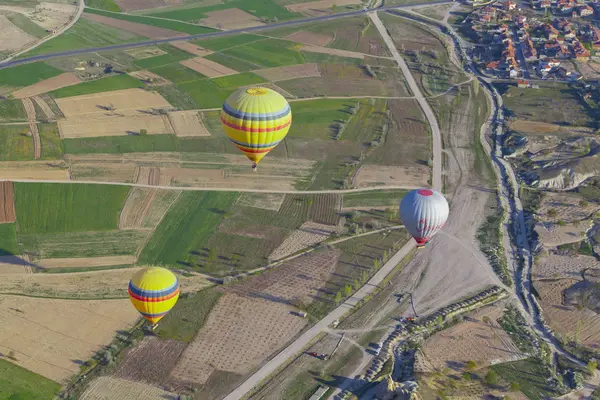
(256, 120)
(153, 292)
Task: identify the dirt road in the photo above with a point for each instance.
(33, 128)
(436, 175)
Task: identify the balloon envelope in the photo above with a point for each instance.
(256, 120)
(153, 292)
(424, 212)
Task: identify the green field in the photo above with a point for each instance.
(266, 9)
(53, 207)
(8, 240)
(12, 110)
(225, 42)
(313, 118)
(531, 376)
(378, 198)
(15, 143)
(118, 82)
(159, 23)
(108, 5)
(85, 34)
(206, 93)
(232, 82)
(17, 383)
(188, 316)
(268, 53)
(83, 244)
(232, 62)
(122, 144)
(27, 26)
(52, 147)
(173, 55)
(177, 73)
(177, 98)
(186, 227)
(28, 74)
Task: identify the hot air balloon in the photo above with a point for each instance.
(256, 120)
(424, 212)
(153, 292)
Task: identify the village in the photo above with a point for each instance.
(547, 39)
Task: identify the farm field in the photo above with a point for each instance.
(12, 110)
(47, 15)
(187, 124)
(171, 55)
(530, 376)
(18, 383)
(8, 239)
(133, 27)
(16, 142)
(33, 170)
(47, 329)
(83, 244)
(145, 208)
(89, 262)
(113, 83)
(48, 85)
(561, 105)
(471, 340)
(309, 234)
(7, 202)
(567, 207)
(26, 25)
(152, 22)
(28, 74)
(13, 38)
(174, 241)
(85, 34)
(106, 387)
(384, 199)
(563, 266)
(67, 207)
(50, 142)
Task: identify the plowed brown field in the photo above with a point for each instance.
(7, 202)
(48, 85)
(139, 29)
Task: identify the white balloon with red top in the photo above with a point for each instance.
(424, 212)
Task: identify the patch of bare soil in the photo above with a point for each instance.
(148, 31)
(192, 48)
(310, 38)
(48, 85)
(12, 37)
(149, 78)
(559, 266)
(231, 18)
(377, 175)
(207, 67)
(289, 72)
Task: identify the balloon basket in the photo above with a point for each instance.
(254, 167)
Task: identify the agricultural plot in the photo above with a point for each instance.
(113, 83)
(47, 15)
(66, 342)
(192, 48)
(135, 5)
(207, 67)
(252, 320)
(7, 202)
(187, 124)
(474, 339)
(48, 85)
(559, 266)
(51, 145)
(373, 199)
(320, 7)
(148, 31)
(310, 38)
(8, 241)
(19, 383)
(232, 18)
(26, 25)
(177, 73)
(83, 244)
(128, 100)
(265, 201)
(12, 110)
(140, 53)
(89, 262)
(561, 105)
(149, 78)
(531, 375)
(552, 235)
(267, 53)
(33, 170)
(13, 38)
(326, 209)
(151, 361)
(67, 207)
(308, 235)
(106, 387)
(291, 72)
(28, 74)
(145, 208)
(186, 227)
(567, 207)
(85, 34)
(16, 143)
(101, 172)
(225, 42)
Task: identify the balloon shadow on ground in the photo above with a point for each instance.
(7, 257)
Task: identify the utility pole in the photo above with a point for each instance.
(413, 305)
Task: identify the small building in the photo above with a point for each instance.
(585, 11)
(550, 32)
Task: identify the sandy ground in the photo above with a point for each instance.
(374, 175)
(334, 52)
(105, 387)
(473, 339)
(133, 27)
(52, 343)
(311, 38)
(127, 101)
(150, 78)
(52, 16)
(207, 67)
(191, 48)
(33, 170)
(7, 202)
(132, 5)
(15, 265)
(557, 266)
(290, 72)
(552, 235)
(85, 262)
(319, 5)
(266, 201)
(532, 126)
(309, 234)
(232, 18)
(12, 37)
(187, 123)
(48, 85)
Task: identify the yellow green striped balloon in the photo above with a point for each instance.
(256, 120)
(153, 292)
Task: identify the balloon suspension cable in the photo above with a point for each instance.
(254, 167)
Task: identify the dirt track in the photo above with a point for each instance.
(28, 104)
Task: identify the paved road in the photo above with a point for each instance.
(49, 37)
(299, 344)
(436, 176)
(4, 64)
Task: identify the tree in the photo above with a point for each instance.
(514, 386)
(143, 132)
(338, 297)
(592, 365)
(470, 365)
(347, 290)
(491, 378)
(552, 212)
(467, 376)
